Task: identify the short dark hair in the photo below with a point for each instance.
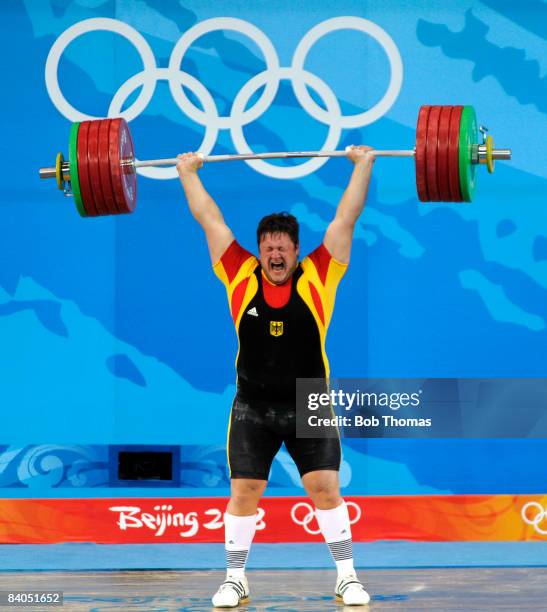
(276, 223)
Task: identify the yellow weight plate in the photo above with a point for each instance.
(59, 171)
(489, 157)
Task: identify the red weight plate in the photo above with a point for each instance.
(104, 167)
(431, 153)
(83, 170)
(419, 158)
(124, 179)
(454, 154)
(442, 154)
(93, 164)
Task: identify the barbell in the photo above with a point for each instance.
(101, 169)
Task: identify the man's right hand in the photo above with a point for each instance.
(189, 163)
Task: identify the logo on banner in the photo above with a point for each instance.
(329, 113)
(303, 514)
(165, 517)
(535, 514)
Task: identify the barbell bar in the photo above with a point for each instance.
(101, 170)
(172, 161)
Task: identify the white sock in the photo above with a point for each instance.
(239, 532)
(336, 530)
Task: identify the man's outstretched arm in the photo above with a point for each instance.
(339, 234)
(203, 207)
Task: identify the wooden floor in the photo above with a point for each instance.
(284, 591)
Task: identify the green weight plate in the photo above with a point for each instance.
(468, 138)
(73, 159)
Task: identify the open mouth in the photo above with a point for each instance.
(277, 266)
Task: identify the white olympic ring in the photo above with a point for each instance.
(540, 516)
(239, 116)
(243, 27)
(92, 25)
(310, 515)
(182, 78)
(348, 23)
(285, 172)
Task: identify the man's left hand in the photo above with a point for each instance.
(360, 154)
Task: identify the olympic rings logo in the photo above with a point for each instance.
(540, 515)
(310, 515)
(239, 116)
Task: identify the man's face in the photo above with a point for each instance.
(278, 256)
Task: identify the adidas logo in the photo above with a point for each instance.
(252, 312)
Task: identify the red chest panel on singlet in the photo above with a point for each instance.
(276, 296)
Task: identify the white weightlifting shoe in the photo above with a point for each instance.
(231, 593)
(350, 590)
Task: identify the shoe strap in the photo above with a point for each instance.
(344, 585)
(236, 586)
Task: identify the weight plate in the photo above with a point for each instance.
(490, 154)
(59, 171)
(83, 171)
(431, 148)
(104, 168)
(73, 161)
(468, 137)
(93, 167)
(124, 178)
(442, 154)
(419, 158)
(454, 154)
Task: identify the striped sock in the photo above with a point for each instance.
(238, 535)
(336, 530)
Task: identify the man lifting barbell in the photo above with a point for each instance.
(281, 308)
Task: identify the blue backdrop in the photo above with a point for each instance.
(115, 330)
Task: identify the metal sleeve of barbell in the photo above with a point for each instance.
(139, 163)
(501, 154)
(47, 173)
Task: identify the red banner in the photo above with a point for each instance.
(280, 519)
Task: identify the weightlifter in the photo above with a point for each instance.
(281, 308)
